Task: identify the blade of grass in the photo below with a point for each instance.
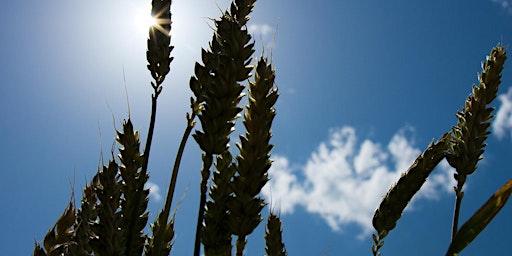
(480, 219)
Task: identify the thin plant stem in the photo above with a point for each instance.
(240, 245)
(177, 161)
(205, 173)
(458, 201)
(151, 129)
(145, 159)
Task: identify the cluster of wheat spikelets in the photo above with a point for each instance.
(463, 147)
(113, 212)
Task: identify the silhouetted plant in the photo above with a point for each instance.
(463, 147)
(113, 212)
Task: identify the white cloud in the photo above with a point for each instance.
(260, 29)
(343, 181)
(154, 190)
(503, 121)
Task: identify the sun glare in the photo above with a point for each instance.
(144, 21)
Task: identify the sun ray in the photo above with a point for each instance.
(160, 23)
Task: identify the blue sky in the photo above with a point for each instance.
(364, 85)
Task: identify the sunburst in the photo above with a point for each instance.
(143, 20)
(161, 23)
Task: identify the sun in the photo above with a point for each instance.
(143, 20)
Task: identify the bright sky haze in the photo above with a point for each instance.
(364, 87)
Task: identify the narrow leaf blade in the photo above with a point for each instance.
(470, 230)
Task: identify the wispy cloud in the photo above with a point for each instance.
(343, 181)
(505, 4)
(503, 121)
(260, 29)
(154, 190)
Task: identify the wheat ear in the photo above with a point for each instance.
(159, 59)
(399, 196)
(218, 92)
(86, 217)
(216, 235)
(107, 189)
(59, 240)
(468, 137)
(135, 196)
(254, 158)
(273, 236)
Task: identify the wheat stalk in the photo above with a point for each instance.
(468, 137)
(113, 212)
(462, 147)
(218, 92)
(159, 59)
